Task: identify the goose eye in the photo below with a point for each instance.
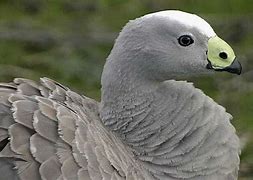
(185, 40)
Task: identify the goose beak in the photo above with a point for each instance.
(221, 57)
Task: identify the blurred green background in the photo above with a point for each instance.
(69, 41)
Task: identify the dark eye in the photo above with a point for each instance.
(185, 40)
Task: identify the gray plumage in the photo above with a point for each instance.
(147, 125)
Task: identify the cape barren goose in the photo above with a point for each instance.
(147, 125)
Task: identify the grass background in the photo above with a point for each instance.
(69, 41)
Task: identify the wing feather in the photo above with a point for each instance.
(47, 109)
(6, 119)
(3, 134)
(50, 169)
(70, 169)
(55, 132)
(67, 124)
(63, 150)
(83, 174)
(28, 90)
(23, 112)
(28, 170)
(45, 126)
(41, 148)
(19, 139)
(8, 152)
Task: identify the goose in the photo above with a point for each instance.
(150, 124)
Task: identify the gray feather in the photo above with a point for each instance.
(66, 125)
(70, 169)
(7, 170)
(46, 108)
(28, 90)
(5, 116)
(84, 174)
(44, 126)
(3, 134)
(50, 169)
(24, 111)
(20, 144)
(28, 170)
(41, 148)
(8, 152)
(63, 150)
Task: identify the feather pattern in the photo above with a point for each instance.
(179, 136)
(54, 131)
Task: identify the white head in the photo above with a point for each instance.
(189, 20)
(162, 45)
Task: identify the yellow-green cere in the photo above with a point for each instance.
(216, 46)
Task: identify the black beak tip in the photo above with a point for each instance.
(239, 71)
(234, 71)
(235, 67)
